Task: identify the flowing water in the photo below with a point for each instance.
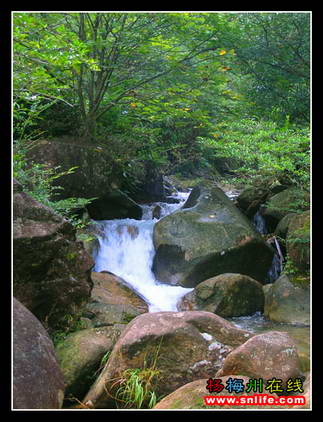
(127, 250)
(301, 334)
(259, 223)
(257, 323)
(277, 262)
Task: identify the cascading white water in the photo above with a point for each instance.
(276, 266)
(259, 223)
(127, 250)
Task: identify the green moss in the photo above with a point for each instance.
(127, 317)
(71, 255)
(301, 234)
(300, 280)
(199, 404)
(71, 324)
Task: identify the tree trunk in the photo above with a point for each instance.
(89, 129)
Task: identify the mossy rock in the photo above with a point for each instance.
(249, 195)
(287, 302)
(282, 227)
(226, 295)
(292, 200)
(298, 241)
(208, 236)
(79, 356)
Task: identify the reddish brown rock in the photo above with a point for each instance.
(51, 269)
(190, 396)
(113, 301)
(111, 289)
(267, 355)
(182, 346)
(38, 382)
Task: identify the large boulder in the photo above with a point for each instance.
(287, 302)
(208, 236)
(98, 174)
(38, 382)
(114, 204)
(269, 355)
(298, 241)
(182, 346)
(51, 270)
(282, 227)
(283, 203)
(250, 199)
(151, 188)
(113, 301)
(79, 356)
(227, 295)
(191, 396)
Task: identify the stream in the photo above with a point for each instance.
(126, 250)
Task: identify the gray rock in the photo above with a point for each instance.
(287, 302)
(226, 295)
(207, 237)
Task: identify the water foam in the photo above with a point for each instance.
(127, 250)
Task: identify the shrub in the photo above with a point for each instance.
(37, 181)
(263, 150)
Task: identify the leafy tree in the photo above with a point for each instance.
(174, 89)
(272, 63)
(98, 60)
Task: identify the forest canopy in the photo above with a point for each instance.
(182, 90)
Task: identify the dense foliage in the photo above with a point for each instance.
(183, 90)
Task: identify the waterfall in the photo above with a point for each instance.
(127, 250)
(259, 223)
(277, 262)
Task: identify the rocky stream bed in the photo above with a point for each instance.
(188, 288)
